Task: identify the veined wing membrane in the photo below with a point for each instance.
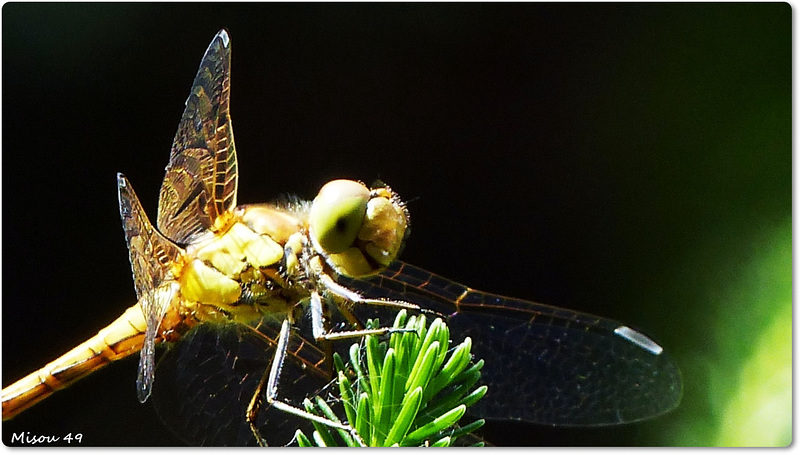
(151, 257)
(201, 177)
(543, 364)
(207, 379)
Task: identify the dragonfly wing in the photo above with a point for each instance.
(201, 177)
(151, 255)
(544, 364)
(207, 379)
(154, 305)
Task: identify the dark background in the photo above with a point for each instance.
(631, 161)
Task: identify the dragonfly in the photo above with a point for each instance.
(251, 301)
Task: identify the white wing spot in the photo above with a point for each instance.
(639, 339)
(224, 35)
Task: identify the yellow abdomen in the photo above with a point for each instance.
(119, 339)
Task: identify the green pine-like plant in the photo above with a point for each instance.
(411, 390)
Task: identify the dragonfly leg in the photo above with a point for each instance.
(268, 388)
(320, 333)
(343, 292)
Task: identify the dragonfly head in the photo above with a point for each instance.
(358, 230)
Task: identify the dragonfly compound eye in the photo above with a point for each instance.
(359, 231)
(337, 214)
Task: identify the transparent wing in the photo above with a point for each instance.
(544, 364)
(201, 177)
(151, 255)
(154, 305)
(207, 379)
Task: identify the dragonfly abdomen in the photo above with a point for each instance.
(119, 339)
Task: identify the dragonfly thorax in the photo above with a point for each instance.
(260, 260)
(249, 267)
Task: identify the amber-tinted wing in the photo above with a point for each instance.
(151, 255)
(544, 364)
(201, 177)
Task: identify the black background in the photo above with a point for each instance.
(571, 154)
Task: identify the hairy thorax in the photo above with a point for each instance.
(249, 267)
